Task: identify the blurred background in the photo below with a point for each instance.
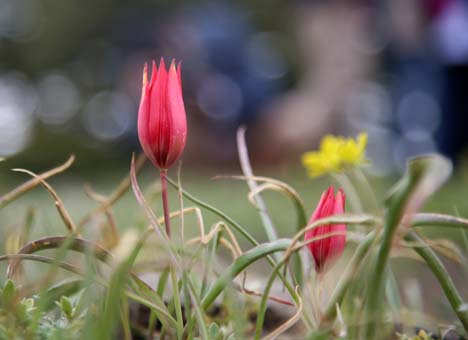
(70, 77)
(291, 71)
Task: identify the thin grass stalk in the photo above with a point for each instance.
(125, 318)
(392, 293)
(350, 190)
(177, 303)
(465, 239)
(217, 212)
(167, 223)
(369, 193)
(78, 271)
(266, 290)
(263, 302)
(377, 277)
(65, 243)
(63, 212)
(160, 291)
(347, 277)
(118, 193)
(423, 177)
(346, 218)
(187, 300)
(151, 216)
(210, 254)
(289, 323)
(196, 303)
(167, 212)
(438, 220)
(442, 275)
(234, 224)
(32, 183)
(61, 242)
(247, 170)
(273, 184)
(239, 265)
(181, 203)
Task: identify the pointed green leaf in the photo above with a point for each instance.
(67, 307)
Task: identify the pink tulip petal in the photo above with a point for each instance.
(329, 248)
(175, 105)
(144, 115)
(162, 126)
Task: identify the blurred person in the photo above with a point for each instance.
(413, 76)
(330, 37)
(428, 65)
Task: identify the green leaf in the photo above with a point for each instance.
(240, 264)
(423, 177)
(320, 335)
(28, 303)
(8, 293)
(24, 309)
(439, 220)
(230, 221)
(64, 288)
(427, 173)
(440, 272)
(66, 307)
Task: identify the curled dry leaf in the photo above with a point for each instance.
(25, 187)
(63, 212)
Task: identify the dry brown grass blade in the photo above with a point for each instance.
(289, 323)
(273, 183)
(406, 252)
(443, 246)
(54, 242)
(270, 297)
(43, 259)
(63, 212)
(142, 201)
(89, 191)
(205, 239)
(234, 248)
(438, 220)
(109, 239)
(34, 182)
(231, 245)
(150, 215)
(121, 189)
(198, 216)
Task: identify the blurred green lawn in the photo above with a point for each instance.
(228, 195)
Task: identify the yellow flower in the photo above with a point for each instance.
(334, 154)
(352, 151)
(318, 164)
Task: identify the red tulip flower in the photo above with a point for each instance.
(330, 247)
(162, 124)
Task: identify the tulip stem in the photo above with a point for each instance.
(167, 218)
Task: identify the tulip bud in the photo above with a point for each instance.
(330, 247)
(162, 124)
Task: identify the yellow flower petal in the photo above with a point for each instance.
(335, 153)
